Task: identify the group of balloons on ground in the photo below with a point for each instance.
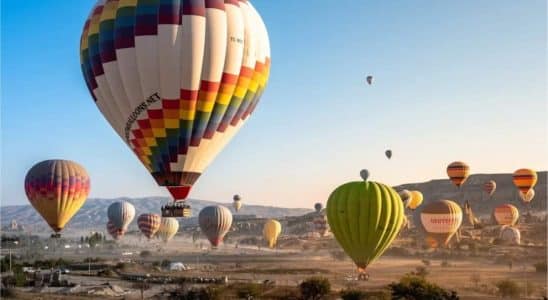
(365, 216)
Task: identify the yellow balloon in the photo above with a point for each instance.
(271, 231)
(416, 199)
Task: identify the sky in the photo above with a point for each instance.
(453, 80)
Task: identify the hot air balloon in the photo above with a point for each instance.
(121, 214)
(318, 207)
(57, 189)
(320, 224)
(215, 221)
(388, 154)
(114, 231)
(149, 224)
(441, 220)
(406, 197)
(506, 214)
(168, 229)
(271, 232)
(175, 80)
(416, 199)
(527, 198)
(525, 179)
(489, 187)
(510, 235)
(365, 217)
(369, 79)
(458, 172)
(237, 204)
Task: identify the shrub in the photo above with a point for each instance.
(413, 287)
(353, 295)
(145, 253)
(121, 266)
(315, 288)
(541, 267)
(7, 292)
(246, 291)
(426, 262)
(530, 288)
(420, 272)
(165, 263)
(508, 288)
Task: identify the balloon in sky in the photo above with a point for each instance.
(416, 199)
(215, 221)
(318, 207)
(121, 214)
(114, 231)
(175, 79)
(527, 198)
(57, 189)
(365, 217)
(525, 179)
(489, 187)
(405, 196)
(369, 79)
(458, 172)
(506, 214)
(510, 235)
(271, 232)
(168, 229)
(237, 204)
(149, 224)
(388, 154)
(440, 219)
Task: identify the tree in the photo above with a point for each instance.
(315, 288)
(414, 287)
(508, 288)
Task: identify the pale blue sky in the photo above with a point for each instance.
(454, 80)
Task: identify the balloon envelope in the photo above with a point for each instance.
(149, 224)
(121, 214)
(406, 197)
(365, 217)
(388, 154)
(416, 199)
(510, 235)
(57, 189)
(489, 187)
(369, 79)
(175, 80)
(525, 179)
(168, 229)
(527, 198)
(318, 207)
(215, 221)
(458, 172)
(506, 214)
(114, 231)
(440, 219)
(271, 231)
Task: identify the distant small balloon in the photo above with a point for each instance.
(364, 174)
(369, 79)
(527, 198)
(388, 153)
(489, 187)
(318, 207)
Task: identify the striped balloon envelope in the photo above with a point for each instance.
(489, 187)
(121, 214)
(441, 220)
(506, 214)
(458, 172)
(525, 179)
(168, 229)
(176, 79)
(149, 224)
(510, 235)
(527, 198)
(57, 189)
(114, 231)
(215, 221)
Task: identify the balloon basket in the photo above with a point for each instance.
(55, 236)
(176, 210)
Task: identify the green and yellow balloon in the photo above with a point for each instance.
(365, 217)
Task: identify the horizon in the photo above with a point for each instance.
(460, 81)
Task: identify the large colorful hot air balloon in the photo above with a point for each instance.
(175, 79)
(458, 172)
(237, 204)
(57, 189)
(525, 179)
(318, 207)
(121, 214)
(271, 232)
(510, 235)
(388, 154)
(489, 187)
(405, 196)
(215, 221)
(416, 199)
(149, 224)
(114, 231)
(441, 220)
(168, 229)
(506, 214)
(527, 198)
(365, 217)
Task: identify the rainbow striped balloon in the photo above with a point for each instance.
(458, 172)
(149, 224)
(525, 179)
(114, 231)
(506, 214)
(57, 189)
(175, 79)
